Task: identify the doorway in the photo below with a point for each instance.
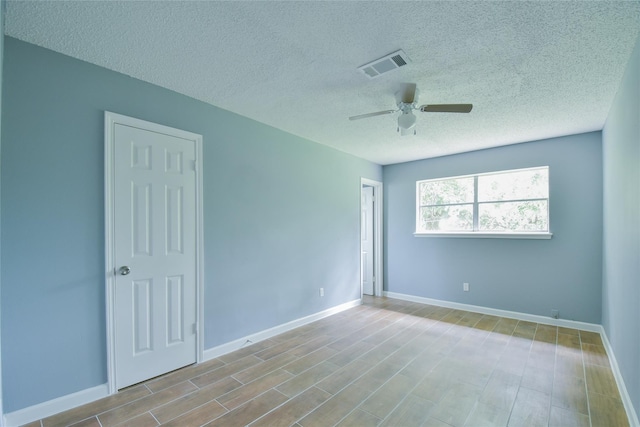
(371, 256)
(153, 202)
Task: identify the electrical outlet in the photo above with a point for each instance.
(321, 292)
(465, 287)
(555, 314)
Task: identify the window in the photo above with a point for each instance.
(503, 203)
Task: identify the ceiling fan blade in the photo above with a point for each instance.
(377, 113)
(407, 93)
(446, 108)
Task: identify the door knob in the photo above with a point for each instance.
(124, 270)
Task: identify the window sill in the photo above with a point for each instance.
(483, 235)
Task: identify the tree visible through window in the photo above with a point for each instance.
(510, 201)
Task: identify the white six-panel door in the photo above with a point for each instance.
(154, 232)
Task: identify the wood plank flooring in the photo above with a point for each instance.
(385, 363)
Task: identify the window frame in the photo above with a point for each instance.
(476, 233)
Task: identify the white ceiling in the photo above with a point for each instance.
(531, 69)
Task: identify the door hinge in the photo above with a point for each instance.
(374, 279)
(194, 166)
(195, 328)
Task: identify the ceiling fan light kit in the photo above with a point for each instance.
(407, 120)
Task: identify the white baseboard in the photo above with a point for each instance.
(276, 330)
(54, 406)
(591, 327)
(624, 394)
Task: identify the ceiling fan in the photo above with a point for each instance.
(407, 102)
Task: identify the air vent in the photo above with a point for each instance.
(385, 64)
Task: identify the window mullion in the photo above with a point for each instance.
(475, 203)
(537, 199)
(446, 204)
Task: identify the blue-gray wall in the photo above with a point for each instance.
(621, 252)
(281, 219)
(528, 276)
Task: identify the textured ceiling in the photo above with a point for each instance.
(531, 69)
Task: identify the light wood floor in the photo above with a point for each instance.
(387, 362)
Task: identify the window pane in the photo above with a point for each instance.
(447, 191)
(514, 216)
(447, 218)
(527, 184)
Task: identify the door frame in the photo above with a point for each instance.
(378, 255)
(110, 120)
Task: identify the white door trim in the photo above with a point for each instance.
(110, 120)
(377, 235)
